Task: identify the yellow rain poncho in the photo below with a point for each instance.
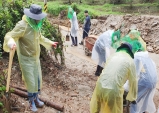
(108, 94)
(132, 36)
(28, 43)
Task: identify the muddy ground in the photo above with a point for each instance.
(71, 86)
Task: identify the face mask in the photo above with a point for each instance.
(36, 25)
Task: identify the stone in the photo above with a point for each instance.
(94, 21)
(113, 24)
(133, 26)
(157, 48)
(150, 49)
(154, 24)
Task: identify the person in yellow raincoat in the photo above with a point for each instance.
(132, 36)
(26, 37)
(108, 93)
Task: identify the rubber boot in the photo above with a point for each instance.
(97, 73)
(76, 43)
(100, 70)
(81, 43)
(38, 103)
(32, 103)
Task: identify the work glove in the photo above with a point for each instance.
(54, 44)
(133, 102)
(11, 44)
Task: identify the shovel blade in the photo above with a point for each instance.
(67, 38)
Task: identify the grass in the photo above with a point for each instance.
(55, 7)
(0, 3)
(142, 4)
(99, 9)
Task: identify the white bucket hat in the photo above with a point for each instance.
(35, 12)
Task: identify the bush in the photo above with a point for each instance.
(13, 13)
(56, 9)
(75, 7)
(54, 34)
(81, 16)
(9, 16)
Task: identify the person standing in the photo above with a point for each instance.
(86, 26)
(26, 37)
(74, 26)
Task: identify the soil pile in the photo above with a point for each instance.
(147, 25)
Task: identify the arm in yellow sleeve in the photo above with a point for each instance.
(143, 43)
(14, 35)
(132, 95)
(46, 42)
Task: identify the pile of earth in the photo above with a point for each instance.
(147, 25)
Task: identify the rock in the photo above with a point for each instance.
(130, 19)
(101, 21)
(149, 18)
(128, 15)
(103, 17)
(157, 52)
(154, 46)
(133, 26)
(150, 48)
(113, 24)
(154, 24)
(157, 48)
(83, 89)
(94, 22)
(157, 42)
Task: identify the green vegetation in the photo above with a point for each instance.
(3, 107)
(13, 12)
(55, 7)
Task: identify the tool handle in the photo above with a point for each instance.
(11, 54)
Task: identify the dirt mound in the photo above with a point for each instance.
(147, 25)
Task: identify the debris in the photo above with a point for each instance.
(47, 102)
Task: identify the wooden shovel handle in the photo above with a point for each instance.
(68, 25)
(11, 54)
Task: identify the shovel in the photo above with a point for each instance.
(11, 54)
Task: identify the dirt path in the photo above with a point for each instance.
(72, 86)
(79, 52)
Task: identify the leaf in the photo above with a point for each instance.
(1, 104)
